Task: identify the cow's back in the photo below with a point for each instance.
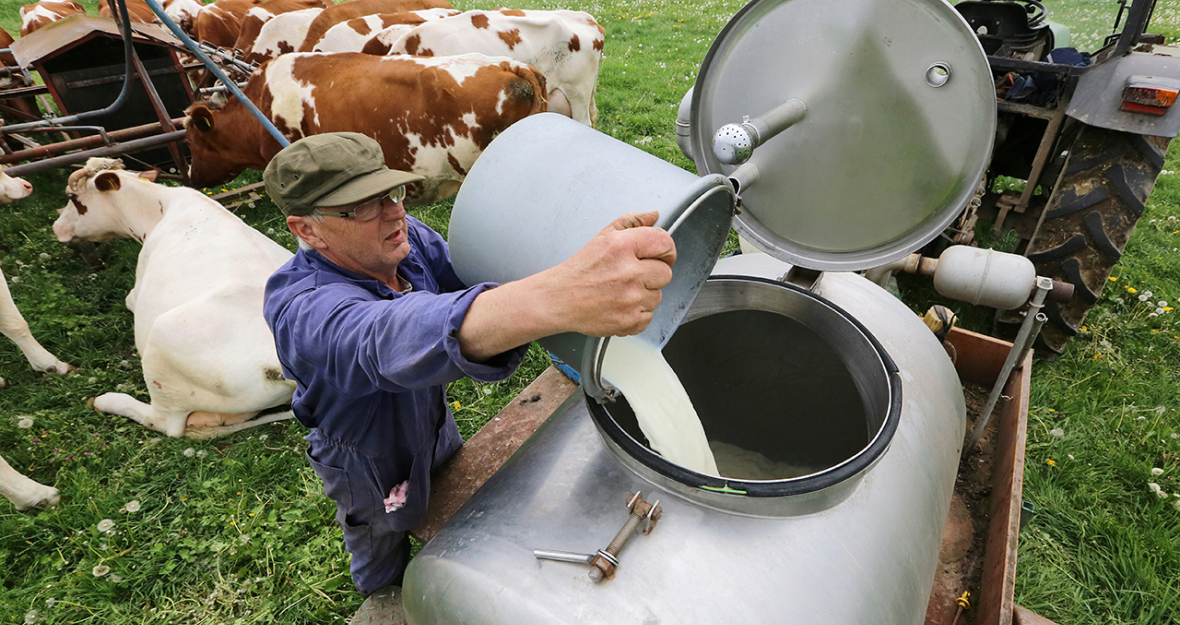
(34, 16)
(355, 34)
(138, 9)
(356, 8)
(221, 22)
(262, 14)
(446, 110)
(280, 35)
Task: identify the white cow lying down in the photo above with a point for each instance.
(209, 359)
(21, 491)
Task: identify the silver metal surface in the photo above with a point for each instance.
(870, 559)
(563, 556)
(884, 161)
(547, 185)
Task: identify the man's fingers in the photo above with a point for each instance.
(654, 243)
(633, 220)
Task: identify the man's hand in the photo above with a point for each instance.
(608, 288)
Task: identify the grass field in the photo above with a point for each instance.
(238, 530)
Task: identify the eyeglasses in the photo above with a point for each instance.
(369, 209)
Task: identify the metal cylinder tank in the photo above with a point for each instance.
(854, 539)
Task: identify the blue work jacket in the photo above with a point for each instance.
(371, 364)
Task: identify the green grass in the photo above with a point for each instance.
(240, 532)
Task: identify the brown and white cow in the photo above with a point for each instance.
(23, 108)
(258, 16)
(209, 360)
(23, 492)
(565, 45)
(184, 13)
(353, 35)
(220, 23)
(358, 8)
(138, 10)
(431, 116)
(280, 35)
(38, 14)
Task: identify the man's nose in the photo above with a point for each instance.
(392, 210)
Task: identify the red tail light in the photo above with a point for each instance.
(1147, 94)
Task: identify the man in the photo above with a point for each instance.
(371, 322)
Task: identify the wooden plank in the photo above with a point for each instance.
(998, 586)
(980, 357)
(483, 455)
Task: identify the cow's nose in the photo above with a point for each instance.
(28, 186)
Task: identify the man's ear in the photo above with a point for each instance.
(305, 230)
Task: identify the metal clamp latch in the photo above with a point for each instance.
(604, 563)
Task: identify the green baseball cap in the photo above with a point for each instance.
(331, 169)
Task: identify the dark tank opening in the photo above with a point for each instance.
(782, 374)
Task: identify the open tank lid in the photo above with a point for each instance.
(899, 123)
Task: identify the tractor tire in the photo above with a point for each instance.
(1089, 218)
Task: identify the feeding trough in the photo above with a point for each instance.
(838, 135)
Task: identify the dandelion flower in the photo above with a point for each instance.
(25, 423)
(456, 405)
(1114, 279)
(189, 452)
(31, 617)
(1057, 433)
(106, 525)
(1157, 471)
(1051, 462)
(202, 453)
(100, 570)
(1143, 297)
(1131, 290)
(133, 505)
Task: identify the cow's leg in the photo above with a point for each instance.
(23, 492)
(231, 424)
(169, 422)
(14, 326)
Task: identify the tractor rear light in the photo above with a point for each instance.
(1147, 94)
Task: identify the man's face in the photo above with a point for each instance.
(373, 248)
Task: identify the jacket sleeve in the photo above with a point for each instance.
(400, 344)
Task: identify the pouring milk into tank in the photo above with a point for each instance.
(669, 421)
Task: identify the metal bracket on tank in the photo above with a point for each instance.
(592, 380)
(605, 561)
(802, 277)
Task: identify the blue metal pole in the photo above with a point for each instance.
(233, 87)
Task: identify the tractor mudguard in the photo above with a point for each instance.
(1099, 93)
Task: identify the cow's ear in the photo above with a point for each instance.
(201, 118)
(107, 181)
(150, 175)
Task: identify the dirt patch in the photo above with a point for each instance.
(960, 566)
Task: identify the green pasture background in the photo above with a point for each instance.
(238, 530)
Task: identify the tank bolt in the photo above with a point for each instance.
(606, 560)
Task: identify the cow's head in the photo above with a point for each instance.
(104, 204)
(13, 188)
(218, 154)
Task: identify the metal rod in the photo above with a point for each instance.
(196, 50)
(135, 132)
(162, 115)
(78, 157)
(1033, 320)
(563, 556)
(124, 21)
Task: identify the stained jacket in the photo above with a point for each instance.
(371, 367)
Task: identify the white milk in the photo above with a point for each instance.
(743, 464)
(665, 414)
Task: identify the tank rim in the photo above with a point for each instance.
(814, 482)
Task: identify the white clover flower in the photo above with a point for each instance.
(100, 570)
(1162, 303)
(487, 391)
(30, 617)
(1070, 456)
(189, 452)
(1153, 487)
(91, 380)
(1157, 471)
(25, 423)
(1159, 311)
(1176, 504)
(49, 602)
(244, 538)
(1151, 314)
(202, 453)
(1148, 293)
(263, 437)
(106, 525)
(1057, 433)
(133, 505)
(1118, 300)
(116, 578)
(1143, 297)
